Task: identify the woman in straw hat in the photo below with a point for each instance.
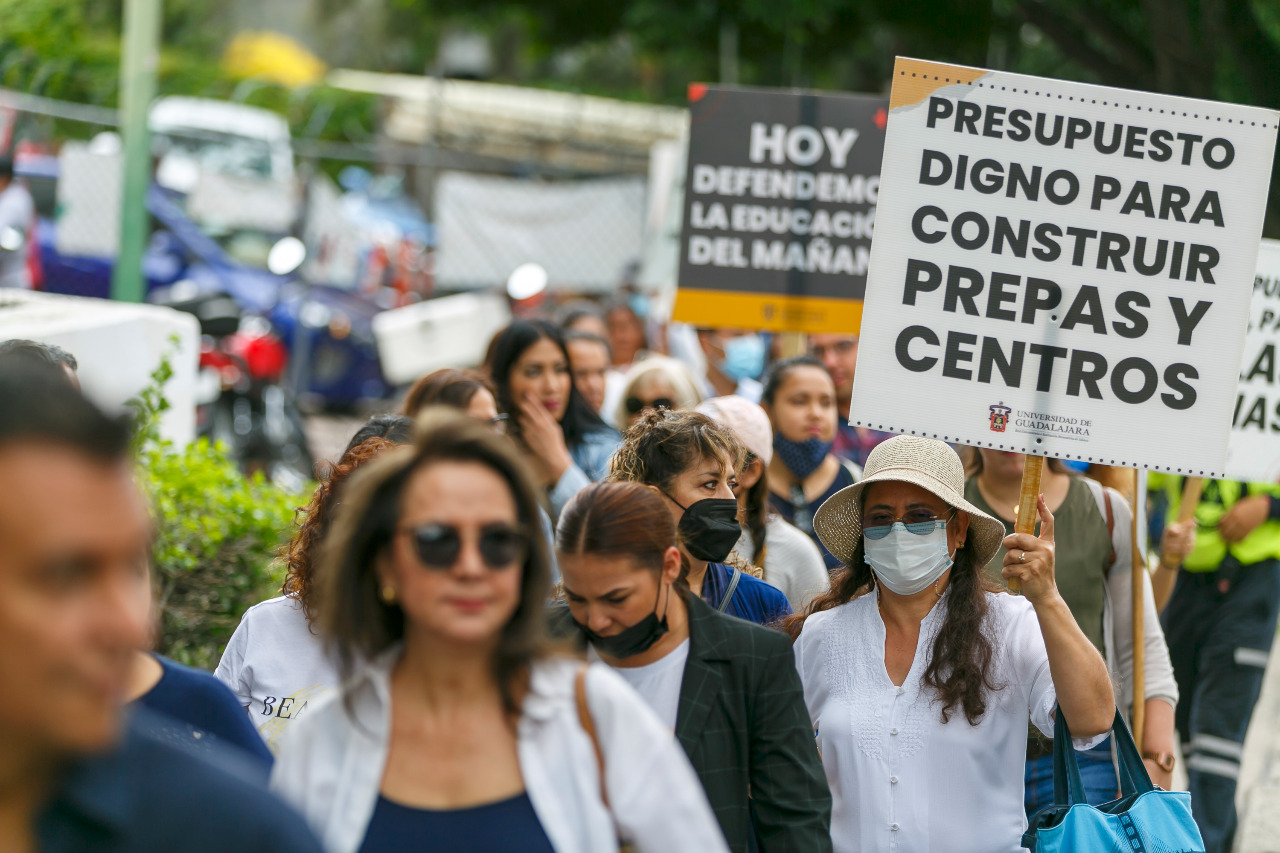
(919, 677)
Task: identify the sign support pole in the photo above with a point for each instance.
(1032, 473)
(138, 62)
(1139, 710)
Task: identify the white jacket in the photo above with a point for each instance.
(331, 762)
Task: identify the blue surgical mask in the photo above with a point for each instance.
(639, 303)
(743, 357)
(907, 562)
(802, 458)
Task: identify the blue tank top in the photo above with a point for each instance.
(508, 826)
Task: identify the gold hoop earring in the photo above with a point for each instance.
(389, 594)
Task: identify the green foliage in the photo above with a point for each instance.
(217, 534)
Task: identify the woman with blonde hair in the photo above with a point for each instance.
(458, 727)
(658, 382)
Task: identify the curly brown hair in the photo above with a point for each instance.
(959, 671)
(303, 551)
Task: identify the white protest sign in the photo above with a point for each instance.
(1062, 269)
(1254, 452)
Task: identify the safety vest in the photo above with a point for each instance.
(1218, 497)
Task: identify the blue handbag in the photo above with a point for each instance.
(1144, 819)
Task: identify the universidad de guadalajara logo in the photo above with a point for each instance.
(1000, 417)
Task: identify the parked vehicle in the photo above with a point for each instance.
(241, 398)
(327, 330)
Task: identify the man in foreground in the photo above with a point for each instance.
(75, 773)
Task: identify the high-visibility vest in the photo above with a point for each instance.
(1218, 497)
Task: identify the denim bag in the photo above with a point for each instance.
(1143, 820)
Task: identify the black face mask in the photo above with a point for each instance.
(709, 528)
(637, 639)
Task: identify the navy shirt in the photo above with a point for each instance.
(147, 795)
(200, 712)
(508, 826)
(753, 600)
(787, 510)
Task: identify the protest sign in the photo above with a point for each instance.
(1253, 454)
(780, 201)
(1062, 269)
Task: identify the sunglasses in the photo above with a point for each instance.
(635, 405)
(438, 545)
(919, 522)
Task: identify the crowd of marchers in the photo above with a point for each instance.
(620, 587)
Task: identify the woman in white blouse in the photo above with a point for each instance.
(919, 679)
(464, 731)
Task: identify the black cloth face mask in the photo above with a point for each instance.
(709, 528)
(635, 640)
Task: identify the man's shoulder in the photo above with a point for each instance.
(208, 804)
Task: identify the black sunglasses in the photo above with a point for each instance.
(635, 405)
(438, 545)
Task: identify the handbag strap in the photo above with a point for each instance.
(728, 593)
(1068, 787)
(589, 725)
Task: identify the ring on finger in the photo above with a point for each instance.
(1023, 558)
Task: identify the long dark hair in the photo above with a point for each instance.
(756, 513)
(505, 350)
(359, 624)
(961, 660)
(778, 373)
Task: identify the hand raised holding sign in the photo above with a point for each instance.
(1029, 559)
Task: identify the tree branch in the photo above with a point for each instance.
(1073, 43)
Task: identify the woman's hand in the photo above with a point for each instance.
(544, 438)
(1177, 541)
(1030, 559)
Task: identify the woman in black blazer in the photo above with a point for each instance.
(728, 688)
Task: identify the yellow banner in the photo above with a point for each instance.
(767, 312)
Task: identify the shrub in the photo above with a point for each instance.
(217, 534)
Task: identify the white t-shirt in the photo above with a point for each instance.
(658, 682)
(901, 779)
(792, 562)
(276, 666)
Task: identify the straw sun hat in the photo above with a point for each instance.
(924, 462)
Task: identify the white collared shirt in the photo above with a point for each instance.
(901, 779)
(331, 763)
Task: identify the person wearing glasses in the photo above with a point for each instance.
(839, 355)
(728, 689)
(465, 390)
(275, 662)
(800, 400)
(458, 727)
(658, 382)
(920, 677)
(566, 442)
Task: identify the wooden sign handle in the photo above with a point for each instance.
(1138, 712)
(1191, 491)
(1032, 473)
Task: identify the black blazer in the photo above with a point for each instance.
(743, 723)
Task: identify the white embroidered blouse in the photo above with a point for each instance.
(901, 779)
